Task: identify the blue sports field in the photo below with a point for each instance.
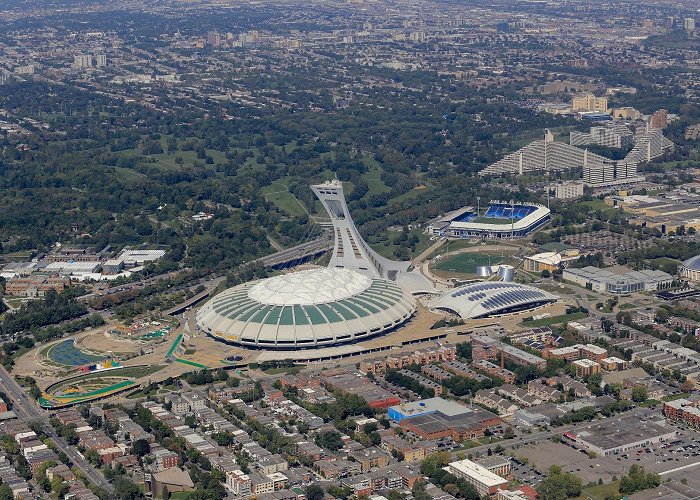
(65, 353)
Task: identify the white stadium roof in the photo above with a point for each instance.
(480, 300)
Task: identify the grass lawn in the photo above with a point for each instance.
(601, 491)
(563, 318)
(16, 302)
(467, 262)
(285, 201)
(626, 305)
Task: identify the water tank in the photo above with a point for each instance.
(484, 271)
(506, 272)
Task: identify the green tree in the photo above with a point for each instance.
(314, 492)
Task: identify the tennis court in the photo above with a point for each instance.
(65, 353)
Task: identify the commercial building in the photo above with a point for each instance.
(623, 282)
(619, 435)
(548, 261)
(35, 285)
(690, 269)
(689, 24)
(485, 482)
(589, 102)
(436, 418)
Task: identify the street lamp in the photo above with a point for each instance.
(512, 218)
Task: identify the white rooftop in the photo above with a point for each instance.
(476, 471)
(313, 286)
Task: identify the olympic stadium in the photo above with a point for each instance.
(489, 299)
(307, 309)
(360, 295)
(500, 221)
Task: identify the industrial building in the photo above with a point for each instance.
(436, 418)
(619, 435)
(626, 281)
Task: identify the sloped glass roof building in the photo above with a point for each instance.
(492, 298)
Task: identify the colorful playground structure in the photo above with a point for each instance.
(107, 364)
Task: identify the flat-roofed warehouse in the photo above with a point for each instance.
(436, 417)
(618, 435)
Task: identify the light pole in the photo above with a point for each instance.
(512, 218)
(478, 209)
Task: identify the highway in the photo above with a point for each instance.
(297, 252)
(27, 410)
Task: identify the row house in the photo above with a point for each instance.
(518, 395)
(380, 365)
(541, 390)
(463, 370)
(425, 382)
(436, 373)
(495, 371)
(490, 399)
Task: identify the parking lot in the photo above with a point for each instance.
(681, 456)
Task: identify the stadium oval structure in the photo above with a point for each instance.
(690, 269)
(486, 299)
(307, 309)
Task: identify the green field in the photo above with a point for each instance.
(554, 320)
(467, 262)
(278, 194)
(601, 491)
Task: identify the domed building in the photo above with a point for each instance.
(492, 298)
(690, 269)
(306, 309)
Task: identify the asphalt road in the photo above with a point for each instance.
(26, 409)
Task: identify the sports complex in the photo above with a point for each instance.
(361, 295)
(500, 221)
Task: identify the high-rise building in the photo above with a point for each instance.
(689, 24)
(589, 102)
(659, 119)
(100, 60)
(82, 61)
(214, 39)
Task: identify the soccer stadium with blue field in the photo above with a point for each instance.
(500, 220)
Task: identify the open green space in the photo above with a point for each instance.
(191, 363)
(285, 201)
(600, 491)
(553, 320)
(467, 262)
